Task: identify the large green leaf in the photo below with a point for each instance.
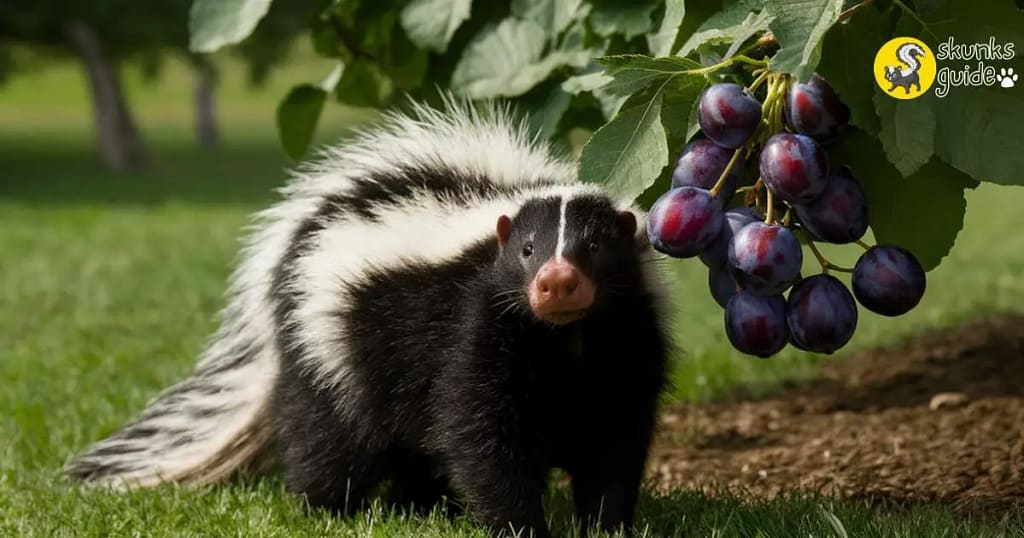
(978, 129)
(662, 42)
(923, 212)
(799, 26)
(297, 116)
(633, 72)
(213, 24)
(908, 131)
(627, 17)
(508, 60)
(432, 23)
(553, 16)
(848, 54)
(735, 25)
(628, 153)
(682, 94)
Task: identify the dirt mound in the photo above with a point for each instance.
(940, 418)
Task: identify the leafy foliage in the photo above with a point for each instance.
(631, 72)
(215, 23)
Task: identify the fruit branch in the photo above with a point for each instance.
(725, 63)
(761, 77)
(725, 173)
(826, 265)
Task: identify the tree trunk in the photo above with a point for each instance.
(117, 138)
(207, 134)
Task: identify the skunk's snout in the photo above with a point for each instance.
(560, 293)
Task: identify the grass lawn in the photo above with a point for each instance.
(109, 284)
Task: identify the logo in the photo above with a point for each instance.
(905, 68)
(1007, 78)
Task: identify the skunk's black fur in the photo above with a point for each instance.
(379, 333)
(485, 399)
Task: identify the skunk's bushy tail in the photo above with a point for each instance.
(217, 421)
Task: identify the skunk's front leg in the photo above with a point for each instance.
(494, 456)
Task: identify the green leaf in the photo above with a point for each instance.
(633, 72)
(923, 212)
(627, 154)
(661, 43)
(585, 83)
(213, 24)
(297, 116)
(627, 17)
(544, 116)
(363, 84)
(432, 23)
(681, 97)
(799, 26)
(978, 131)
(978, 128)
(908, 131)
(507, 60)
(553, 16)
(848, 56)
(735, 24)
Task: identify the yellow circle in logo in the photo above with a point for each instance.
(905, 68)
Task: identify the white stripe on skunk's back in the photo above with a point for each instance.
(488, 143)
(421, 230)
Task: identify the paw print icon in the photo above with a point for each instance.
(1006, 77)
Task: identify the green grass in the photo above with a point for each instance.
(109, 284)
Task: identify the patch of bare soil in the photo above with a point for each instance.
(940, 418)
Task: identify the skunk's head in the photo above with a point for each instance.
(565, 256)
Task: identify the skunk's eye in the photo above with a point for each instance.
(527, 249)
(594, 246)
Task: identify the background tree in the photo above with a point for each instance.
(105, 34)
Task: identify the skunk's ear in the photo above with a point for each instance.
(632, 223)
(504, 229)
(627, 222)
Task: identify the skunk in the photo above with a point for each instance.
(437, 306)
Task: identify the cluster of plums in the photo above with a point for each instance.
(752, 262)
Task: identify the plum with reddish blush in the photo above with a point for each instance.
(814, 109)
(794, 167)
(821, 314)
(700, 165)
(888, 280)
(721, 284)
(728, 115)
(716, 255)
(765, 259)
(839, 214)
(756, 325)
(684, 221)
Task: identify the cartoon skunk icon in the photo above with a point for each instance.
(908, 54)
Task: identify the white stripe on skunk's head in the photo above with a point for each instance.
(569, 252)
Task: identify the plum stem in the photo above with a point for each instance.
(751, 198)
(787, 217)
(725, 173)
(770, 210)
(725, 63)
(757, 81)
(826, 265)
